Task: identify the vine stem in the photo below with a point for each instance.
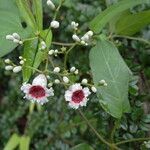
(131, 38)
(66, 55)
(113, 146)
(133, 140)
(63, 44)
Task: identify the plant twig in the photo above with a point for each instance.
(63, 44)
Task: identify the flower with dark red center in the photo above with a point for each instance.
(77, 95)
(37, 92)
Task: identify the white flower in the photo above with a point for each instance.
(77, 96)
(9, 37)
(65, 79)
(9, 67)
(72, 69)
(93, 89)
(7, 61)
(75, 38)
(37, 91)
(51, 52)
(56, 70)
(57, 81)
(16, 36)
(84, 81)
(17, 69)
(55, 24)
(51, 4)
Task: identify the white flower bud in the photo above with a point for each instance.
(90, 33)
(83, 42)
(9, 37)
(16, 36)
(102, 81)
(56, 70)
(20, 42)
(74, 25)
(57, 81)
(56, 51)
(76, 72)
(65, 79)
(9, 68)
(84, 81)
(20, 57)
(105, 84)
(51, 52)
(51, 4)
(93, 89)
(17, 69)
(54, 24)
(16, 41)
(75, 38)
(72, 69)
(85, 38)
(7, 61)
(21, 62)
(50, 84)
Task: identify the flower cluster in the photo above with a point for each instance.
(15, 37)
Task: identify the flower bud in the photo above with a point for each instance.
(51, 52)
(72, 69)
(54, 24)
(84, 81)
(90, 33)
(93, 89)
(21, 62)
(76, 72)
(16, 36)
(17, 69)
(7, 61)
(65, 79)
(57, 81)
(51, 4)
(9, 37)
(75, 38)
(56, 70)
(9, 68)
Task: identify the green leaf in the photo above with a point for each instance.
(26, 13)
(82, 146)
(10, 22)
(30, 49)
(13, 142)
(41, 55)
(24, 143)
(38, 10)
(130, 24)
(104, 17)
(106, 63)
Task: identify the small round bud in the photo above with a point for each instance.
(50, 84)
(56, 51)
(20, 57)
(72, 69)
(85, 38)
(16, 36)
(51, 4)
(90, 33)
(75, 38)
(21, 62)
(56, 70)
(76, 72)
(105, 84)
(57, 81)
(83, 42)
(65, 79)
(9, 37)
(102, 81)
(51, 52)
(17, 69)
(54, 24)
(93, 89)
(20, 42)
(7, 61)
(16, 41)
(84, 81)
(9, 68)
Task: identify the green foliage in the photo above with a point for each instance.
(24, 143)
(107, 15)
(10, 22)
(105, 66)
(82, 146)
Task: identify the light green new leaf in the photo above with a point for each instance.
(130, 24)
(38, 10)
(24, 143)
(41, 54)
(82, 146)
(106, 63)
(13, 142)
(10, 22)
(30, 49)
(107, 15)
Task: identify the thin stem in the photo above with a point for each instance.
(63, 44)
(33, 69)
(132, 38)
(30, 39)
(133, 140)
(66, 55)
(97, 134)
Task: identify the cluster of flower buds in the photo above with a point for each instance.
(11, 66)
(74, 25)
(54, 24)
(74, 70)
(53, 52)
(15, 37)
(85, 39)
(147, 144)
(102, 83)
(51, 4)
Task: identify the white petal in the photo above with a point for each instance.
(84, 102)
(25, 87)
(68, 95)
(75, 87)
(40, 80)
(74, 105)
(49, 92)
(86, 92)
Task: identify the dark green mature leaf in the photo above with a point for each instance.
(106, 63)
(30, 49)
(13, 142)
(38, 10)
(104, 17)
(130, 24)
(82, 146)
(24, 143)
(10, 22)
